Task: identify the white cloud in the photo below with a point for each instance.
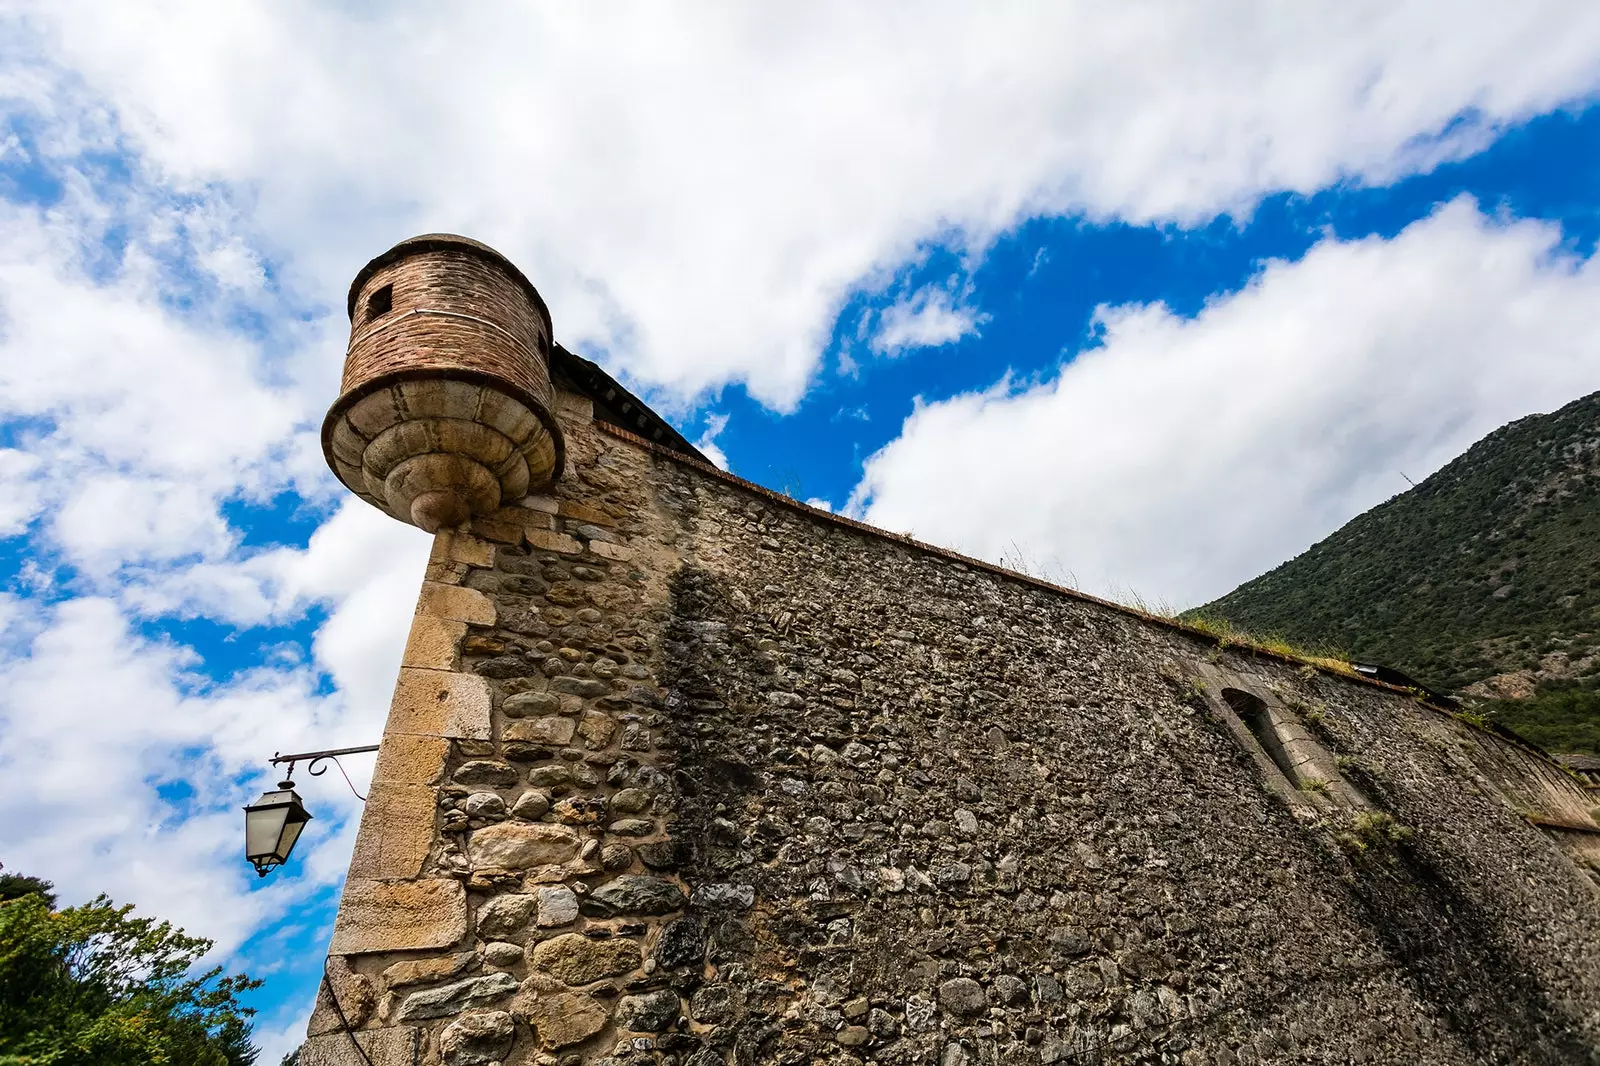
(707, 443)
(94, 718)
(1180, 457)
(139, 408)
(19, 490)
(928, 318)
(697, 190)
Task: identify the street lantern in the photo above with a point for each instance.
(272, 823)
(271, 826)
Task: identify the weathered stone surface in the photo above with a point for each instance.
(517, 845)
(531, 704)
(434, 643)
(716, 1005)
(484, 805)
(411, 759)
(556, 542)
(502, 953)
(597, 731)
(962, 995)
(724, 897)
(552, 776)
(454, 546)
(456, 997)
(557, 906)
(560, 1019)
(477, 1039)
(394, 1046)
(633, 894)
(551, 729)
(396, 831)
(357, 999)
(585, 687)
(399, 916)
(665, 854)
(531, 804)
(649, 1012)
(630, 801)
(682, 943)
(455, 603)
(1009, 991)
(619, 552)
(441, 704)
(505, 916)
(486, 772)
(426, 971)
(578, 960)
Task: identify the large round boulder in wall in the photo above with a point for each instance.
(444, 408)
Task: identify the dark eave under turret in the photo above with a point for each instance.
(615, 405)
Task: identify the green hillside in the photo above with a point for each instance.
(1489, 569)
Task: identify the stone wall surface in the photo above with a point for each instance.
(679, 772)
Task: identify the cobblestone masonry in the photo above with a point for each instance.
(680, 773)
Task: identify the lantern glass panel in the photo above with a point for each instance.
(272, 824)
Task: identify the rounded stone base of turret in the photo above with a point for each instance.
(435, 448)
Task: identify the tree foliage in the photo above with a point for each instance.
(96, 986)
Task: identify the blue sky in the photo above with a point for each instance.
(1144, 301)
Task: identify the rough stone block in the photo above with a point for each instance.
(552, 729)
(557, 906)
(634, 894)
(452, 545)
(411, 759)
(542, 504)
(442, 704)
(454, 998)
(356, 999)
(478, 1039)
(582, 512)
(434, 643)
(517, 846)
(396, 831)
(399, 916)
(554, 542)
(456, 603)
(560, 1019)
(395, 1046)
(573, 409)
(530, 704)
(649, 1012)
(577, 960)
(504, 526)
(507, 915)
(427, 971)
(617, 552)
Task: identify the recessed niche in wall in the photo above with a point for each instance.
(380, 302)
(1257, 717)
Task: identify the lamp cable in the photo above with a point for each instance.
(344, 1022)
(317, 771)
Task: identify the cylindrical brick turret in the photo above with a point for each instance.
(444, 410)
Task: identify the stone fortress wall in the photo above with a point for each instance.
(678, 771)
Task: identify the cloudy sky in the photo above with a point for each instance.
(1148, 297)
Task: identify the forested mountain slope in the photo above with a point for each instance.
(1485, 578)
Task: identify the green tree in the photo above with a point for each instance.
(95, 986)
